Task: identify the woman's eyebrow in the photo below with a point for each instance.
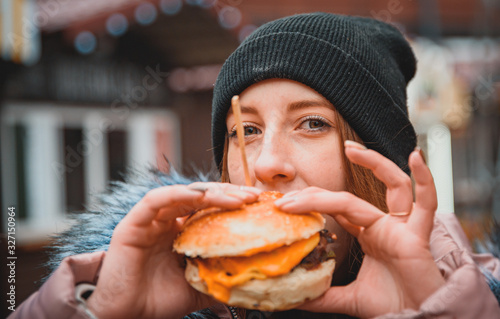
(293, 106)
(297, 105)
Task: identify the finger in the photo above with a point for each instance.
(334, 300)
(222, 195)
(216, 194)
(146, 210)
(399, 188)
(349, 227)
(355, 210)
(224, 188)
(422, 217)
(175, 201)
(292, 193)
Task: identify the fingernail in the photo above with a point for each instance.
(253, 190)
(238, 194)
(349, 143)
(290, 194)
(285, 200)
(421, 152)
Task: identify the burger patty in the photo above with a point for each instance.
(321, 253)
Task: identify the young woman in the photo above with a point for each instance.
(324, 109)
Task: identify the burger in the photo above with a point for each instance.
(257, 257)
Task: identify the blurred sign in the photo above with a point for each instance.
(19, 31)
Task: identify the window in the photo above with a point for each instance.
(54, 158)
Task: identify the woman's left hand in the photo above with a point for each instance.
(398, 270)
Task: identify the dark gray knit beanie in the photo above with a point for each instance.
(361, 65)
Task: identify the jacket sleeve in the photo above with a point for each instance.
(56, 298)
(466, 293)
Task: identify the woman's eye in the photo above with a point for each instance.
(247, 131)
(314, 124)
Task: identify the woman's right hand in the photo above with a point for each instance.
(141, 277)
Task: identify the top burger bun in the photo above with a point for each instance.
(253, 257)
(256, 227)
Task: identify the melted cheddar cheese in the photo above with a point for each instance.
(222, 273)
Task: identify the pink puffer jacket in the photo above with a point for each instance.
(465, 295)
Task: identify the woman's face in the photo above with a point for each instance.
(291, 142)
(291, 138)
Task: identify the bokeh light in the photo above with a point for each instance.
(193, 79)
(179, 80)
(85, 42)
(229, 17)
(246, 31)
(206, 3)
(117, 24)
(171, 7)
(145, 13)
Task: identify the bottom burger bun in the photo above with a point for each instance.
(274, 294)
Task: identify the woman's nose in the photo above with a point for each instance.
(272, 164)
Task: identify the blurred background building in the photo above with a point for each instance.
(89, 88)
